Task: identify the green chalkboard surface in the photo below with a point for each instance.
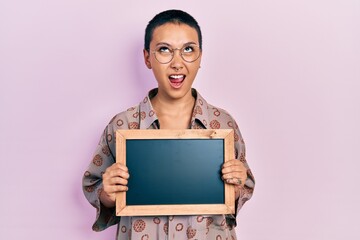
(175, 171)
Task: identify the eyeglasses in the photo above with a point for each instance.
(164, 54)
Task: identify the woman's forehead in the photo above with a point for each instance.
(174, 34)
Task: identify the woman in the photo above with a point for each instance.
(173, 49)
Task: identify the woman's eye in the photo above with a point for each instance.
(188, 49)
(163, 49)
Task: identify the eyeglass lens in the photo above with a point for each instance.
(165, 54)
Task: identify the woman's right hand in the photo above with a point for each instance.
(115, 179)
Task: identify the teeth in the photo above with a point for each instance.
(177, 76)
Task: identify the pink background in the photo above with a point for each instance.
(288, 71)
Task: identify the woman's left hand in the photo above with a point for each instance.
(234, 172)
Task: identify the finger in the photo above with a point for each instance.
(234, 168)
(121, 167)
(118, 181)
(110, 181)
(117, 166)
(120, 188)
(233, 175)
(114, 189)
(234, 181)
(116, 173)
(119, 173)
(233, 165)
(124, 174)
(233, 162)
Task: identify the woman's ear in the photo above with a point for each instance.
(147, 58)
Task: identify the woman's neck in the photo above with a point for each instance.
(173, 113)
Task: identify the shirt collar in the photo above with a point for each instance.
(200, 114)
(150, 120)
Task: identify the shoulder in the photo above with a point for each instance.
(219, 117)
(210, 115)
(127, 119)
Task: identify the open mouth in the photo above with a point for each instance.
(176, 80)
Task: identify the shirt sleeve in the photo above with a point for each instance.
(240, 153)
(246, 192)
(92, 181)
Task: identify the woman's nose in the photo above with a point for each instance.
(177, 60)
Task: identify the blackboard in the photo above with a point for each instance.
(184, 171)
(175, 172)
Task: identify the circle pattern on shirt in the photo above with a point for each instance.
(97, 160)
(123, 229)
(99, 191)
(214, 124)
(109, 137)
(179, 227)
(106, 150)
(242, 157)
(166, 228)
(119, 122)
(218, 237)
(145, 237)
(236, 137)
(216, 112)
(156, 220)
(89, 189)
(199, 219)
(87, 174)
(139, 225)
(209, 221)
(143, 115)
(197, 110)
(151, 113)
(190, 232)
(134, 125)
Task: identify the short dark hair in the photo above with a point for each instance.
(170, 16)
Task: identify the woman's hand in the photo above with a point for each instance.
(234, 172)
(115, 179)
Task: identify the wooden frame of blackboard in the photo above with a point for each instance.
(227, 207)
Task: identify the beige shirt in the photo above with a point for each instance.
(143, 116)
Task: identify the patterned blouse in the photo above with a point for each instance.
(143, 116)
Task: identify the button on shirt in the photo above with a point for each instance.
(143, 116)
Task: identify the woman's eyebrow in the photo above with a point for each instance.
(189, 43)
(169, 45)
(163, 43)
